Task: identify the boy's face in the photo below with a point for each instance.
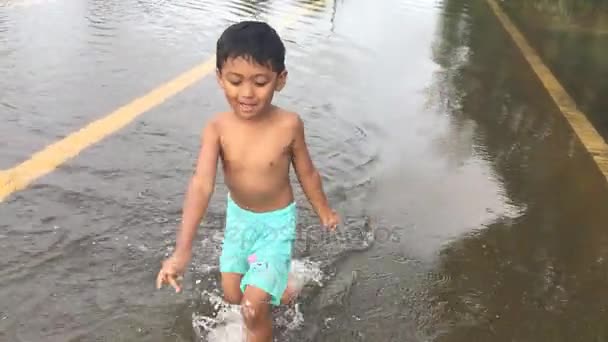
(249, 87)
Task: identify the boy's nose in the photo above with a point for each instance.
(246, 91)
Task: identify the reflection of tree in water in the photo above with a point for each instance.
(572, 37)
(590, 13)
(541, 276)
(251, 8)
(258, 7)
(313, 5)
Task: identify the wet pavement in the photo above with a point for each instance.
(434, 137)
(572, 39)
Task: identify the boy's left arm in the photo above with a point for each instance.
(309, 177)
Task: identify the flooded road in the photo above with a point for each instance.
(472, 211)
(572, 38)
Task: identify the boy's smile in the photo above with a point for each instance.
(249, 87)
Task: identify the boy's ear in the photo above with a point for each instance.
(281, 80)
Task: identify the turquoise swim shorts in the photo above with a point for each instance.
(259, 246)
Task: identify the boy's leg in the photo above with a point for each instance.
(291, 292)
(255, 307)
(238, 240)
(271, 257)
(232, 268)
(231, 285)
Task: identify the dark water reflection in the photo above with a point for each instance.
(572, 38)
(539, 276)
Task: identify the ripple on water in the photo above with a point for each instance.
(437, 279)
(246, 9)
(414, 6)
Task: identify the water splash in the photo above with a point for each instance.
(226, 325)
(219, 321)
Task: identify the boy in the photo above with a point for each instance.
(257, 142)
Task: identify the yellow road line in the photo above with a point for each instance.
(584, 130)
(57, 153)
(49, 158)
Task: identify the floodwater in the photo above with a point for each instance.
(471, 211)
(572, 38)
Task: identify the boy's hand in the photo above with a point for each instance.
(329, 219)
(171, 271)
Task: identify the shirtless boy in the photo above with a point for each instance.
(257, 143)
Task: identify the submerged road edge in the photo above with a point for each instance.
(584, 130)
(57, 153)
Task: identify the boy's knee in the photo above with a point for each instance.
(253, 312)
(287, 298)
(233, 298)
(231, 287)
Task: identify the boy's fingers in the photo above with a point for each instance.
(160, 279)
(173, 283)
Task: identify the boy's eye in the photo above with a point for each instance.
(234, 82)
(260, 81)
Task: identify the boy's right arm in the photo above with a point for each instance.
(196, 201)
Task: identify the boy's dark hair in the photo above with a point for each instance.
(252, 40)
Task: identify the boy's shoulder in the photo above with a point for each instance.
(285, 119)
(289, 119)
(215, 122)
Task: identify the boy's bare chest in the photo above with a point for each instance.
(241, 150)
